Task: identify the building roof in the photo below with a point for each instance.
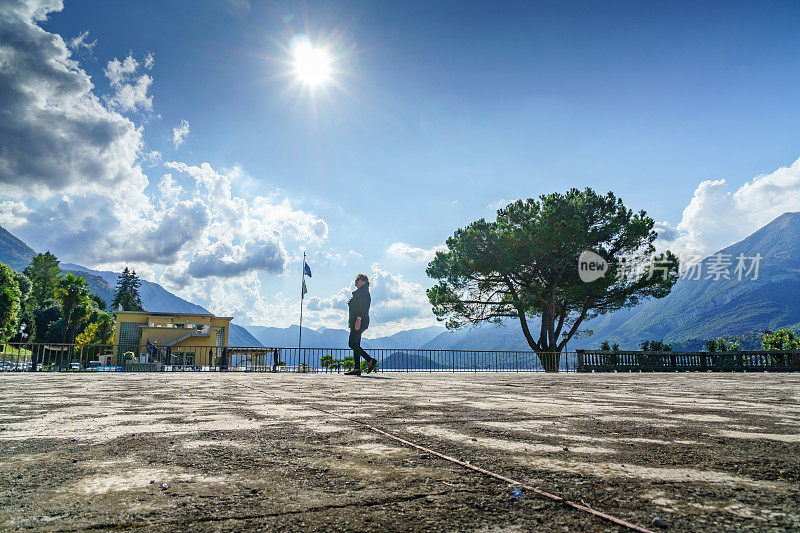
(161, 313)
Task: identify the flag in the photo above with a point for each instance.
(306, 269)
(304, 290)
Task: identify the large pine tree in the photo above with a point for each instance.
(44, 273)
(126, 294)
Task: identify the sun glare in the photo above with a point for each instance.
(311, 65)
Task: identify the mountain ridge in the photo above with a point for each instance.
(694, 310)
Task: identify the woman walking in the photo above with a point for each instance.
(359, 321)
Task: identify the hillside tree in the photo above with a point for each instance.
(524, 265)
(10, 302)
(99, 331)
(44, 273)
(782, 339)
(26, 330)
(126, 294)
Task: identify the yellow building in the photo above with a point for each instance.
(171, 338)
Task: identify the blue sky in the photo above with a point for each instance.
(437, 113)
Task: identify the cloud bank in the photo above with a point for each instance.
(717, 216)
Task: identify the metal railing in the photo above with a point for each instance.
(139, 358)
(72, 357)
(637, 361)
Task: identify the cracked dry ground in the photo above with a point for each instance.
(235, 451)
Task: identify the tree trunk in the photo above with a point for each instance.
(550, 361)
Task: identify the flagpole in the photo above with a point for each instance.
(303, 280)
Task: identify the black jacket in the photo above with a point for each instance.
(359, 307)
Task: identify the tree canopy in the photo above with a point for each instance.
(782, 339)
(10, 302)
(100, 331)
(44, 273)
(73, 294)
(126, 294)
(524, 265)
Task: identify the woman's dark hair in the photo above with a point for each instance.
(364, 278)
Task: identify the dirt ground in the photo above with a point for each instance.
(235, 451)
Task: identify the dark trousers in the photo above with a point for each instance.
(358, 352)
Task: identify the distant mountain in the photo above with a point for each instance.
(412, 338)
(154, 296)
(287, 337)
(502, 337)
(402, 361)
(696, 310)
(18, 255)
(97, 285)
(239, 336)
(338, 338)
(14, 252)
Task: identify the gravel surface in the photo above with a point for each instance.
(234, 451)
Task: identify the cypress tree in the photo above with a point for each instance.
(126, 293)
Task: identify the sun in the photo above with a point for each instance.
(312, 66)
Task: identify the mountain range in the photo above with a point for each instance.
(18, 255)
(695, 310)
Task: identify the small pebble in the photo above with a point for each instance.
(152, 481)
(566, 449)
(658, 522)
(164, 486)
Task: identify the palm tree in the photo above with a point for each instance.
(73, 294)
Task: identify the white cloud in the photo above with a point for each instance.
(14, 214)
(169, 190)
(81, 42)
(397, 305)
(153, 157)
(71, 181)
(410, 253)
(226, 260)
(717, 217)
(494, 206)
(130, 90)
(55, 133)
(179, 133)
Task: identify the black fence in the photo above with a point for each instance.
(151, 358)
(745, 361)
(118, 358)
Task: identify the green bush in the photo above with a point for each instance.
(782, 339)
